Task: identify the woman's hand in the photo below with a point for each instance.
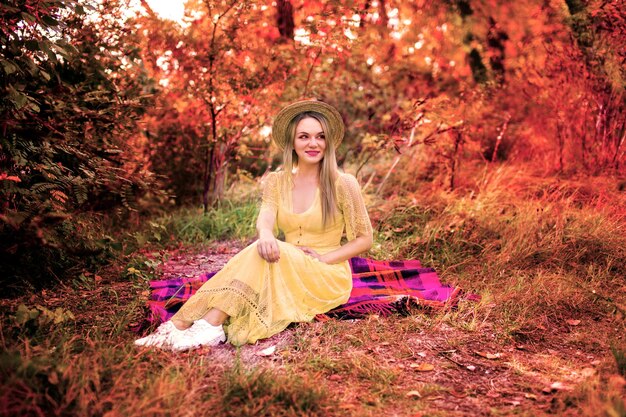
(312, 253)
(267, 245)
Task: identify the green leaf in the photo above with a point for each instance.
(19, 100)
(32, 45)
(79, 10)
(61, 50)
(33, 69)
(34, 107)
(28, 17)
(45, 46)
(44, 75)
(8, 66)
(24, 314)
(49, 20)
(66, 46)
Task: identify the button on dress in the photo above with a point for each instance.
(262, 298)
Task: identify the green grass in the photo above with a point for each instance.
(231, 219)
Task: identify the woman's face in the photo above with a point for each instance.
(310, 142)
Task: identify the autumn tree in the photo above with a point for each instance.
(220, 72)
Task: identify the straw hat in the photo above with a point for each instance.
(286, 115)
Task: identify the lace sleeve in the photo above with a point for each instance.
(271, 194)
(353, 208)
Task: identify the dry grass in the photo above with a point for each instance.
(546, 256)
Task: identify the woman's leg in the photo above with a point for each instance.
(215, 317)
(181, 325)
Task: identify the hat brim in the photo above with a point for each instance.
(286, 115)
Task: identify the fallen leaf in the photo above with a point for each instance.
(53, 378)
(422, 367)
(493, 394)
(554, 387)
(457, 394)
(489, 355)
(573, 322)
(414, 394)
(437, 398)
(267, 352)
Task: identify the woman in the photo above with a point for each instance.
(271, 283)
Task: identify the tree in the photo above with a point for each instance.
(223, 69)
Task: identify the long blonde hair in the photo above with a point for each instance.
(328, 168)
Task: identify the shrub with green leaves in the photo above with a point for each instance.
(68, 115)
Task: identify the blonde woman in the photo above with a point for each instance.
(272, 283)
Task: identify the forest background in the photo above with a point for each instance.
(488, 137)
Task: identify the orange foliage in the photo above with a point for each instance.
(480, 80)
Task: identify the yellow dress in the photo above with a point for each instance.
(262, 298)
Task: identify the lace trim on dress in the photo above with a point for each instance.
(245, 300)
(353, 207)
(270, 197)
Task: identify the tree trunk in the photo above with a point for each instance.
(363, 14)
(284, 20)
(208, 196)
(455, 161)
(382, 11)
(495, 41)
(479, 71)
(561, 139)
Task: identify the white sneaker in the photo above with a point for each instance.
(163, 336)
(201, 333)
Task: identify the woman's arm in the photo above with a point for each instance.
(267, 244)
(353, 248)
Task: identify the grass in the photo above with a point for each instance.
(545, 254)
(260, 392)
(540, 250)
(231, 219)
(619, 353)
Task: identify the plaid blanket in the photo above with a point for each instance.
(391, 286)
(379, 287)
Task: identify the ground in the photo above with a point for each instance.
(425, 363)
